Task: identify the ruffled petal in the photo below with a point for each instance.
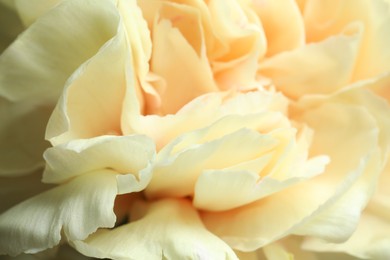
(345, 184)
(179, 164)
(322, 67)
(35, 67)
(76, 208)
(170, 229)
(123, 154)
(22, 137)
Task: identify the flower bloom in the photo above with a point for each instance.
(195, 129)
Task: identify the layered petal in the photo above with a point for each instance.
(346, 185)
(123, 154)
(76, 208)
(169, 229)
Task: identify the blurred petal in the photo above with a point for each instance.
(326, 18)
(10, 24)
(370, 240)
(123, 154)
(31, 10)
(170, 229)
(76, 208)
(283, 34)
(321, 67)
(22, 137)
(21, 188)
(35, 67)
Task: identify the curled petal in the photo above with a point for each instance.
(123, 154)
(76, 208)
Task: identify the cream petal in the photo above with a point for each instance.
(170, 229)
(123, 154)
(207, 109)
(282, 34)
(22, 137)
(10, 24)
(226, 189)
(179, 164)
(20, 188)
(52, 49)
(328, 65)
(95, 92)
(286, 212)
(76, 208)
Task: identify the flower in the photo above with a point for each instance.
(196, 129)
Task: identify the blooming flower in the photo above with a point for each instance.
(196, 129)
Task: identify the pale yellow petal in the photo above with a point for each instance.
(322, 67)
(123, 154)
(76, 208)
(170, 229)
(35, 67)
(31, 10)
(213, 147)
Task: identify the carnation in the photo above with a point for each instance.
(195, 129)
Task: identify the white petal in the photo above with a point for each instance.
(170, 229)
(123, 154)
(76, 208)
(35, 67)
